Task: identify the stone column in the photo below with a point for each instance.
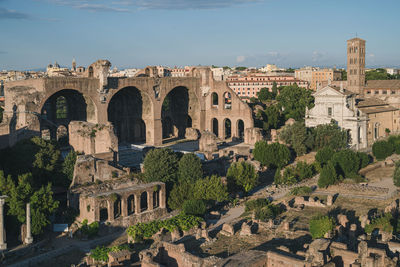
(3, 244)
(162, 197)
(150, 200)
(137, 203)
(110, 210)
(28, 238)
(124, 206)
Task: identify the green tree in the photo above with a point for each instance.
(273, 155)
(294, 101)
(243, 175)
(273, 117)
(320, 225)
(347, 162)
(382, 149)
(190, 168)
(19, 195)
(274, 89)
(42, 206)
(69, 164)
(330, 135)
(328, 175)
(324, 155)
(161, 165)
(378, 74)
(210, 188)
(179, 194)
(296, 135)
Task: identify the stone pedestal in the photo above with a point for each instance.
(28, 239)
(3, 244)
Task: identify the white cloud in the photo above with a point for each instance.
(240, 59)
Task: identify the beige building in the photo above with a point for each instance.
(321, 76)
(305, 73)
(247, 86)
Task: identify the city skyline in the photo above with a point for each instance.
(183, 32)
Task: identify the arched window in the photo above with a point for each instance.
(156, 198)
(131, 204)
(117, 207)
(376, 130)
(214, 98)
(143, 202)
(228, 128)
(227, 100)
(61, 108)
(215, 126)
(189, 122)
(91, 72)
(240, 129)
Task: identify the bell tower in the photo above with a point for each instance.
(356, 65)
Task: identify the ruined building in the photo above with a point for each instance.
(144, 109)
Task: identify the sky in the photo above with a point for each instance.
(139, 33)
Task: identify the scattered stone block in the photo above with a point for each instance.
(227, 229)
(245, 229)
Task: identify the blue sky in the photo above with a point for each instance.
(137, 33)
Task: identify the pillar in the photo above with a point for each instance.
(150, 200)
(137, 203)
(110, 210)
(221, 128)
(124, 206)
(28, 238)
(162, 197)
(3, 244)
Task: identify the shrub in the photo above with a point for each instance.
(320, 225)
(384, 223)
(328, 175)
(395, 141)
(382, 149)
(100, 253)
(273, 155)
(301, 191)
(90, 230)
(256, 204)
(194, 207)
(292, 175)
(179, 193)
(182, 221)
(268, 212)
(278, 177)
(243, 175)
(190, 168)
(324, 155)
(161, 165)
(296, 135)
(396, 174)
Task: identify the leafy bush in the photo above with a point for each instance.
(382, 149)
(292, 175)
(182, 221)
(268, 212)
(256, 204)
(273, 155)
(243, 175)
(396, 174)
(100, 253)
(161, 165)
(90, 230)
(328, 175)
(324, 155)
(320, 225)
(301, 191)
(190, 168)
(395, 141)
(384, 223)
(346, 162)
(278, 176)
(194, 207)
(209, 188)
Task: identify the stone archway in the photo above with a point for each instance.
(174, 113)
(240, 129)
(214, 125)
(125, 112)
(61, 108)
(143, 201)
